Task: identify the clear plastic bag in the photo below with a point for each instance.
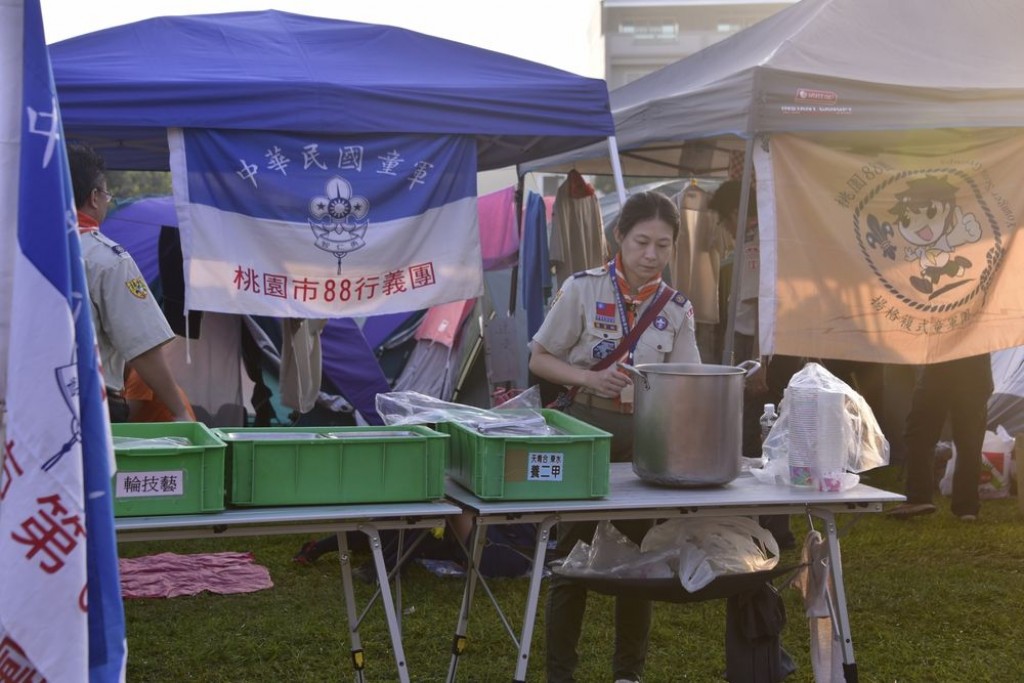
(710, 547)
(609, 550)
(696, 550)
(825, 432)
(126, 442)
(519, 416)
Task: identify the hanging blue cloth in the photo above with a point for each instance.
(536, 279)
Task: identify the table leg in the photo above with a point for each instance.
(532, 597)
(477, 542)
(386, 600)
(840, 615)
(358, 658)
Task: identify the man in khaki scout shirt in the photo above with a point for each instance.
(130, 327)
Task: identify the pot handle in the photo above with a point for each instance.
(638, 374)
(749, 366)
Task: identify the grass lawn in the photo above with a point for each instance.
(931, 599)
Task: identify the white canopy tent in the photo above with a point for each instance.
(819, 66)
(890, 66)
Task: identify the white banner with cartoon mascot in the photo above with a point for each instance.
(893, 247)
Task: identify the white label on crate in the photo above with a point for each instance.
(145, 484)
(544, 467)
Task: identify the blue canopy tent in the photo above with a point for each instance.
(122, 87)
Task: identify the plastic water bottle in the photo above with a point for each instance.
(768, 418)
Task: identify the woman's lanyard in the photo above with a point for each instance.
(625, 319)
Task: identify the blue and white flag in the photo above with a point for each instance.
(325, 226)
(61, 617)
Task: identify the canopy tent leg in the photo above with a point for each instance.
(613, 155)
(737, 272)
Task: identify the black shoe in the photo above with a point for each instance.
(307, 554)
(908, 510)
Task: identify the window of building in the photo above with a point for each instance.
(649, 30)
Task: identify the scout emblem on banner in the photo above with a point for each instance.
(901, 250)
(338, 220)
(321, 226)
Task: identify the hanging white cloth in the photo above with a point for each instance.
(301, 362)
(814, 583)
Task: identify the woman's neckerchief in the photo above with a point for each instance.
(628, 304)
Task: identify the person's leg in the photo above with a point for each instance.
(567, 601)
(566, 604)
(632, 628)
(969, 417)
(928, 409)
(632, 618)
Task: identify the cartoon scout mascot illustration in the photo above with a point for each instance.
(934, 226)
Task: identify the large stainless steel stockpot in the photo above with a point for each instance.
(688, 422)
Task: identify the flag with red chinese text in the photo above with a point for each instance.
(892, 247)
(61, 617)
(325, 226)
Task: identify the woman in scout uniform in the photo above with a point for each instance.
(589, 318)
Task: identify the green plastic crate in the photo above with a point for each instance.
(524, 467)
(168, 480)
(307, 466)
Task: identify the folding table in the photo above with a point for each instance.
(631, 498)
(368, 519)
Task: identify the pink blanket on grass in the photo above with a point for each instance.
(168, 575)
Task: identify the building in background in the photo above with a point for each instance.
(641, 36)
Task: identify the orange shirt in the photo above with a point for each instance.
(146, 407)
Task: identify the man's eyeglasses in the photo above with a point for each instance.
(105, 193)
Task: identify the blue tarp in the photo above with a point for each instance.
(122, 87)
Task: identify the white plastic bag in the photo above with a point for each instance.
(856, 442)
(996, 466)
(713, 546)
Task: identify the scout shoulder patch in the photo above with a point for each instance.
(679, 299)
(114, 246)
(137, 286)
(600, 270)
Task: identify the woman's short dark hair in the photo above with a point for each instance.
(726, 199)
(647, 206)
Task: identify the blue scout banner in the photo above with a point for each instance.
(320, 226)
